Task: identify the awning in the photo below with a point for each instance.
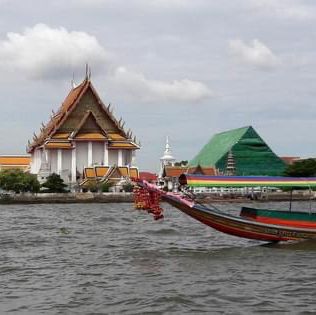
(101, 171)
(246, 181)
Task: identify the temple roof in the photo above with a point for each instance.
(82, 115)
(103, 174)
(15, 162)
(15, 159)
(176, 171)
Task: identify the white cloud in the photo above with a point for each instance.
(44, 52)
(144, 3)
(142, 89)
(256, 54)
(287, 9)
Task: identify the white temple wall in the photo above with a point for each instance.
(97, 153)
(113, 157)
(36, 161)
(81, 155)
(127, 157)
(66, 166)
(34, 169)
(52, 160)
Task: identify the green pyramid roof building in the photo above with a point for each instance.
(252, 156)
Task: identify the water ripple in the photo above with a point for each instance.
(111, 259)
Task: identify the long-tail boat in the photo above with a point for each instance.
(241, 226)
(305, 219)
(280, 217)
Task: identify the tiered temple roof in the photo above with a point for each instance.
(103, 174)
(83, 117)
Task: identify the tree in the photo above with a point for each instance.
(105, 187)
(181, 163)
(305, 168)
(54, 184)
(18, 181)
(92, 187)
(128, 187)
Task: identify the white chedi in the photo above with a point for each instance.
(167, 158)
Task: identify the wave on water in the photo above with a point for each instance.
(108, 258)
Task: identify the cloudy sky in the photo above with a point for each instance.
(182, 68)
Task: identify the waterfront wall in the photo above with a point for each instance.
(119, 197)
(66, 198)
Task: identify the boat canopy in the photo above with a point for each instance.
(193, 180)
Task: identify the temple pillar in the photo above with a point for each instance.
(120, 158)
(59, 161)
(106, 155)
(89, 153)
(73, 165)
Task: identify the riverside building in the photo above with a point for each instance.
(83, 140)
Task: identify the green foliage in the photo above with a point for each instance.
(105, 187)
(128, 187)
(181, 163)
(92, 187)
(54, 184)
(18, 181)
(305, 168)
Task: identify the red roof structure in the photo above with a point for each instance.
(148, 176)
(176, 171)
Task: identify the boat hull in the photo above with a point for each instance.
(286, 218)
(239, 226)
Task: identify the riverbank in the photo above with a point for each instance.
(66, 198)
(119, 197)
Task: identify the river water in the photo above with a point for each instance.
(110, 258)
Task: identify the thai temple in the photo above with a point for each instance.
(83, 141)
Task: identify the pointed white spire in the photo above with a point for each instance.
(167, 154)
(167, 158)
